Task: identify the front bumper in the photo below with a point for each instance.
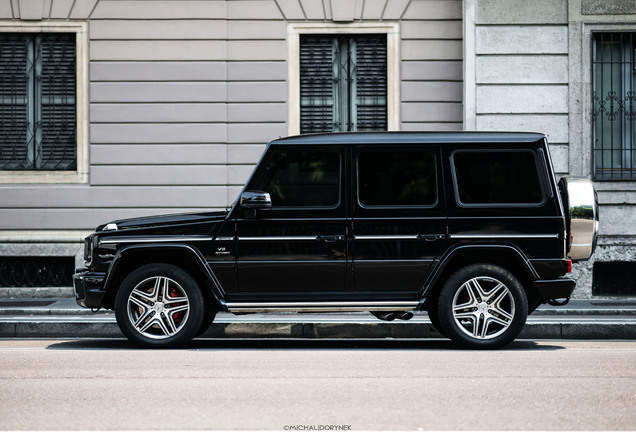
(551, 289)
(88, 288)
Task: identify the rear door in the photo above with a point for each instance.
(399, 223)
(502, 197)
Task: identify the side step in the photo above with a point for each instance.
(392, 306)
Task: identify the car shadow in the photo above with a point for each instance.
(296, 344)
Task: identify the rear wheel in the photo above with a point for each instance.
(159, 306)
(482, 306)
(433, 315)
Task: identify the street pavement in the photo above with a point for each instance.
(60, 317)
(317, 385)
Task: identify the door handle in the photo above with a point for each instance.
(431, 237)
(331, 238)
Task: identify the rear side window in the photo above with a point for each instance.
(397, 178)
(495, 177)
(302, 178)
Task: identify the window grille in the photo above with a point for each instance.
(343, 83)
(36, 271)
(613, 109)
(37, 102)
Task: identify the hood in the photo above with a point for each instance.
(160, 221)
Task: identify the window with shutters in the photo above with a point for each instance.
(343, 82)
(38, 123)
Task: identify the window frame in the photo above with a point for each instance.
(581, 124)
(539, 171)
(80, 174)
(392, 31)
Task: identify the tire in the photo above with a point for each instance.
(208, 319)
(482, 306)
(434, 317)
(144, 315)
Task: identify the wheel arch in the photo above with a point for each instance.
(505, 256)
(132, 257)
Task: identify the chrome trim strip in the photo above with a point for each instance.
(310, 261)
(504, 236)
(280, 238)
(229, 238)
(387, 237)
(158, 239)
(321, 306)
(393, 261)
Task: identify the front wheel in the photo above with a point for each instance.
(159, 306)
(482, 306)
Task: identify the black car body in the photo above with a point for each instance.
(472, 227)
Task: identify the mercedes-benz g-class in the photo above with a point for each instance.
(471, 227)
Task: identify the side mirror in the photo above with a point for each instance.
(255, 200)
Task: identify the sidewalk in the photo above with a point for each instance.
(60, 317)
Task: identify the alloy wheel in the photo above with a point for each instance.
(158, 307)
(483, 308)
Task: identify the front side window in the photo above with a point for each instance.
(614, 106)
(343, 83)
(301, 178)
(490, 178)
(37, 102)
(397, 178)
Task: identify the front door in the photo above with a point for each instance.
(399, 222)
(298, 247)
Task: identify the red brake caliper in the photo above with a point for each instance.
(178, 316)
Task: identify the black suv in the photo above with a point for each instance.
(471, 227)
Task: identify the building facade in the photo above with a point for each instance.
(120, 108)
(565, 68)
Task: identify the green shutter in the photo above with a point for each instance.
(343, 83)
(58, 143)
(316, 84)
(369, 76)
(37, 102)
(14, 117)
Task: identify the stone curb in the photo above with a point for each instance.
(107, 328)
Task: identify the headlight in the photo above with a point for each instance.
(88, 250)
(90, 243)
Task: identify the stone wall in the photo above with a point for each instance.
(531, 70)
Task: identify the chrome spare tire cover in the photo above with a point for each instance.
(581, 206)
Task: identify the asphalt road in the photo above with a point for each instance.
(317, 385)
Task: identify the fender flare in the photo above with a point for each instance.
(474, 249)
(213, 286)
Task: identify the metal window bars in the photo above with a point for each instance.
(613, 106)
(31, 271)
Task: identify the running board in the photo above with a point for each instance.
(243, 307)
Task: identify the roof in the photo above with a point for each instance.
(411, 137)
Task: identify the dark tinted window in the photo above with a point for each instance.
(397, 178)
(497, 177)
(302, 178)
